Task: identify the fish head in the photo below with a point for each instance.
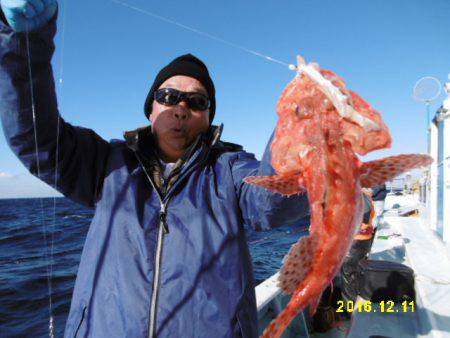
(294, 134)
(313, 93)
(361, 124)
(365, 140)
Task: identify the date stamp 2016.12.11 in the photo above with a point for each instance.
(381, 307)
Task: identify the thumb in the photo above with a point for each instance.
(43, 18)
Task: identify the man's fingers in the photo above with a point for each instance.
(50, 10)
(29, 8)
(36, 22)
(13, 5)
(28, 15)
(47, 3)
(28, 11)
(38, 5)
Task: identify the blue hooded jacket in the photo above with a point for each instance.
(176, 267)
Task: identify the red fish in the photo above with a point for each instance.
(322, 127)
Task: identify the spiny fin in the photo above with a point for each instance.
(284, 185)
(297, 264)
(377, 172)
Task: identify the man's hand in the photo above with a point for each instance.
(28, 15)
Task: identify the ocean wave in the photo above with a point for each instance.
(6, 217)
(25, 260)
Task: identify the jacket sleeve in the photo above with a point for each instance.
(261, 208)
(82, 154)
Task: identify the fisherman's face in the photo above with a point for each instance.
(176, 127)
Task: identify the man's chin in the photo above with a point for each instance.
(176, 142)
(180, 144)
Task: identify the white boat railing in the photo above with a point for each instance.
(270, 302)
(401, 239)
(267, 291)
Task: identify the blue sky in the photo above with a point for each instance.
(111, 54)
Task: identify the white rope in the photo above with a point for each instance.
(425, 278)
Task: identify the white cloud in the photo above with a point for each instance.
(5, 175)
(23, 186)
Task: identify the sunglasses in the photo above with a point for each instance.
(171, 97)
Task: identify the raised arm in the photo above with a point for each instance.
(263, 209)
(82, 154)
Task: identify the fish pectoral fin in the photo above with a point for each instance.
(284, 185)
(379, 171)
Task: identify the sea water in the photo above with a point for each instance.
(25, 227)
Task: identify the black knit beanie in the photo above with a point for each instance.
(187, 65)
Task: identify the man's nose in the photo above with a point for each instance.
(182, 111)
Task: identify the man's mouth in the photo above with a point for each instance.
(178, 131)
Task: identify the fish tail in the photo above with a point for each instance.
(279, 324)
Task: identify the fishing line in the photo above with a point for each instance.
(48, 258)
(277, 236)
(38, 167)
(202, 33)
(61, 54)
(55, 184)
(305, 325)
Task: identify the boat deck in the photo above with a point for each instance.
(399, 239)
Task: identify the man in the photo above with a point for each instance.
(166, 253)
(379, 194)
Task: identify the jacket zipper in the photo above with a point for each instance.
(163, 229)
(156, 278)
